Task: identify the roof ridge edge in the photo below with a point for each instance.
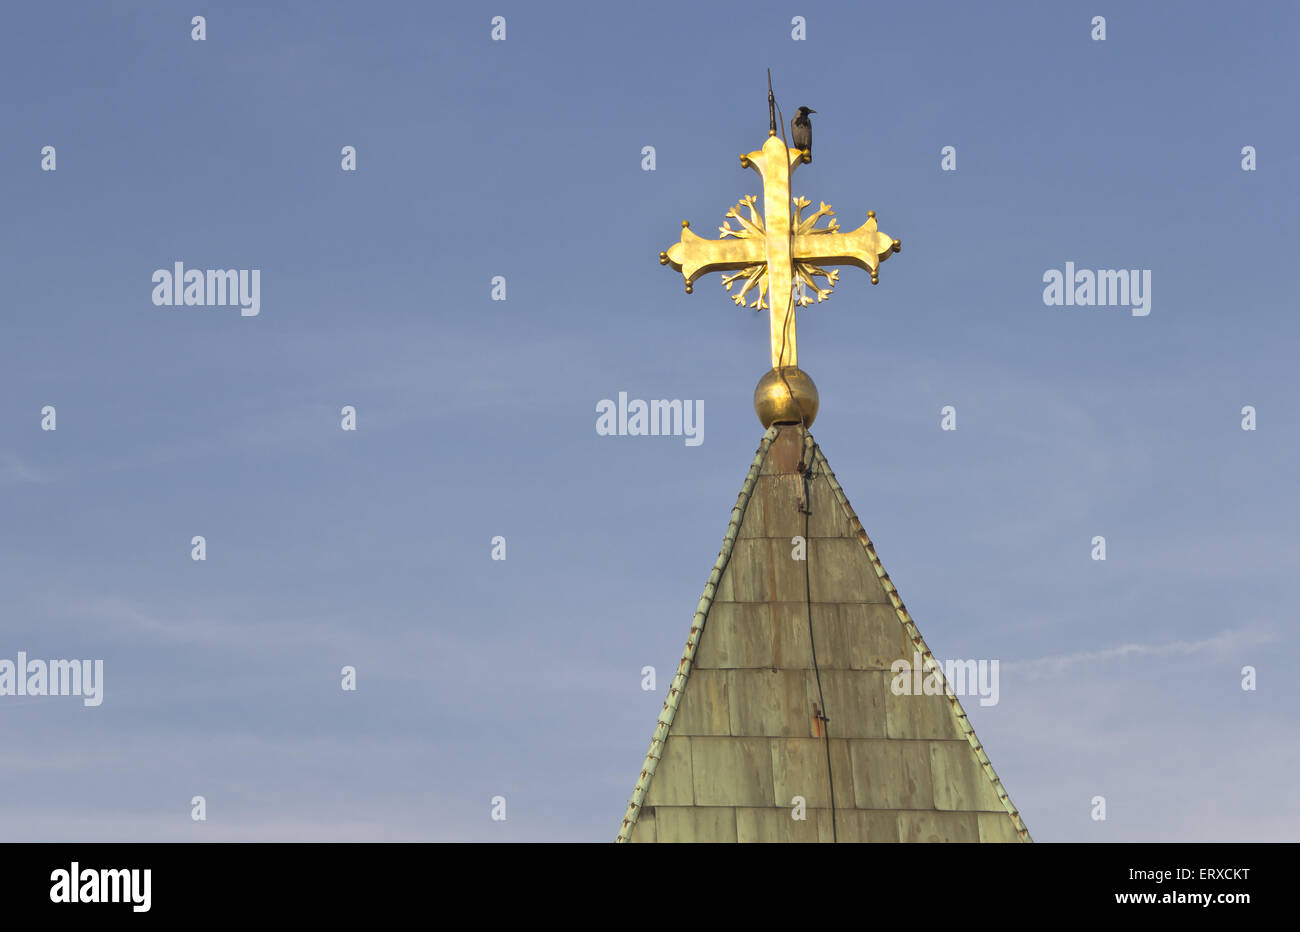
(915, 634)
(693, 640)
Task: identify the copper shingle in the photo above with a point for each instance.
(741, 737)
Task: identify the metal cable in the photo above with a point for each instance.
(807, 449)
(806, 470)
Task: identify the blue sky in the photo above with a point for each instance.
(476, 418)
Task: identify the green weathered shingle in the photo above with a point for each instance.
(741, 736)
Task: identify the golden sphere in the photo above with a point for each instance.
(774, 404)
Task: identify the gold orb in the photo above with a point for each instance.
(775, 404)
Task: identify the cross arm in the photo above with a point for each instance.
(695, 256)
(865, 248)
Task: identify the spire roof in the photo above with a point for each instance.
(784, 690)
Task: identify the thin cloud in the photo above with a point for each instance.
(1218, 644)
(12, 469)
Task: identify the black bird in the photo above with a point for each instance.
(801, 132)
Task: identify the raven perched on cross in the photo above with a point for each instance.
(801, 132)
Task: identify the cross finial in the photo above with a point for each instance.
(779, 254)
(771, 106)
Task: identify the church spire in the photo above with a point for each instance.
(789, 717)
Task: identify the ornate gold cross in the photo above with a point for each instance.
(780, 252)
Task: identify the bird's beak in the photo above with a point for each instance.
(812, 111)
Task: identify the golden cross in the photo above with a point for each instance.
(780, 252)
